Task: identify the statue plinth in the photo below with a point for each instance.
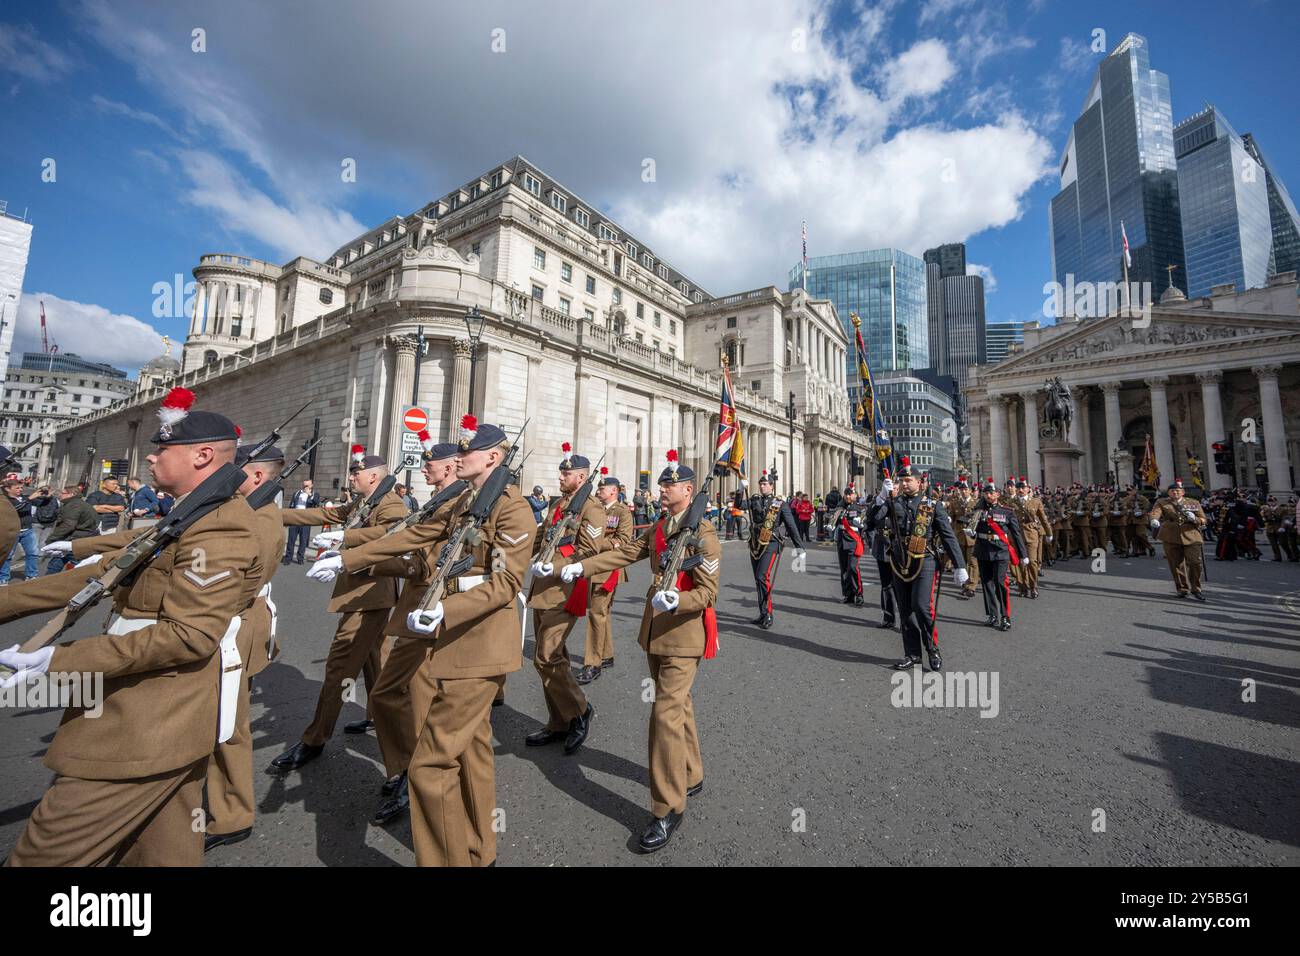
(1060, 462)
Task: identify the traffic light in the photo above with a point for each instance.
(1225, 462)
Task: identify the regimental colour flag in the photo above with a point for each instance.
(869, 418)
(729, 451)
(1149, 470)
(1128, 259)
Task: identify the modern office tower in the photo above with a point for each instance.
(950, 258)
(964, 326)
(1284, 220)
(1223, 195)
(15, 243)
(916, 412)
(998, 339)
(935, 326)
(1119, 165)
(886, 288)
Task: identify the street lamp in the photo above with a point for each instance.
(789, 414)
(474, 322)
(1117, 456)
(979, 467)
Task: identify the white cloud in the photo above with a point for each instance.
(24, 53)
(990, 280)
(755, 117)
(91, 331)
(105, 105)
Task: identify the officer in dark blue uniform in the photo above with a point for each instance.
(770, 519)
(998, 544)
(849, 546)
(917, 535)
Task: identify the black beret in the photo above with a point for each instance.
(368, 462)
(196, 427)
(270, 454)
(610, 480)
(675, 472)
(443, 449)
(575, 463)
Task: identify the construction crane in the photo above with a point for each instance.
(45, 338)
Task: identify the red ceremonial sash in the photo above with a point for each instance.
(610, 583)
(686, 583)
(577, 602)
(848, 529)
(997, 530)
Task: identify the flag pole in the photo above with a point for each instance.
(1128, 298)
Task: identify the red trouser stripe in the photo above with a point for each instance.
(934, 620)
(768, 580)
(1006, 591)
(857, 573)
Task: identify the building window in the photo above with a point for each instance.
(496, 179)
(617, 296)
(326, 296)
(566, 272)
(533, 184)
(756, 386)
(607, 233)
(236, 325)
(284, 324)
(663, 271)
(639, 338)
(581, 218)
(631, 250)
(539, 258)
(589, 315)
(658, 345)
(672, 350)
(210, 357)
(640, 310)
(564, 305)
(285, 297)
(672, 326)
(591, 285)
(648, 261)
(731, 322)
(559, 202)
(475, 191)
(537, 292)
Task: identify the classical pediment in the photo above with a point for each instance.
(1176, 336)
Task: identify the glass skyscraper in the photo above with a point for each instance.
(1119, 165)
(1282, 213)
(999, 337)
(1223, 194)
(886, 288)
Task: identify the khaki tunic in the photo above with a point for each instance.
(356, 592)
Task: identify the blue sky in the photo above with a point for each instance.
(757, 115)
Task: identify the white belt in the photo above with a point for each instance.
(119, 625)
(265, 595)
(468, 581)
(232, 669)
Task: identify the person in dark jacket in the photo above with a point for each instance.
(76, 520)
(299, 535)
(144, 502)
(109, 502)
(537, 501)
(13, 490)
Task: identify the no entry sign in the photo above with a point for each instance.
(415, 418)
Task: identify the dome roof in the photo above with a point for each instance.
(163, 363)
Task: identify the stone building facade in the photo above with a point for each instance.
(1203, 369)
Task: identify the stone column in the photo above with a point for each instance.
(1083, 432)
(459, 384)
(998, 434)
(1160, 425)
(1114, 426)
(1212, 409)
(1033, 466)
(403, 379)
(1270, 410)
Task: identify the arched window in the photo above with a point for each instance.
(620, 322)
(210, 357)
(326, 296)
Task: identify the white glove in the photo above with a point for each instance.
(57, 547)
(425, 622)
(1155, 524)
(93, 559)
(960, 576)
(570, 573)
(971, 534)
(327, 569)
(24, 666)
(664, 601)
(887, 486)
(542, 570)
(327, 540)
(1049, 538)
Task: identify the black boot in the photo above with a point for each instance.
(295, 757)
(578, 730)
(659, 832)
(906, 664)
(358, 726)
(587, 674)
(395, 805)
(214, 840)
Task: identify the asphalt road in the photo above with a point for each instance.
(1113, 696)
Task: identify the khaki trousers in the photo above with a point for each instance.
(675, 760)
(1084, 539)
(149, 821)
(1185, 565)
(564, 699)
(230, 773)
(972, 566)
(1119, 539)
(452, 778)
(392, 707)
(357, 649)
(600, 640)
(1026, 573)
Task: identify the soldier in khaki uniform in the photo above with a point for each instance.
(1081, 523)
(557, 606)
(1277, 518)
(10, 525)
(1098, 520)
(129, 780)
(961, 505)
(599, 652)
(1063, 530)
(678, 627)
(1119, 521)
(363, 601)
(1037, 533)
(1290, 544)
(410, 554)
(474, 642)
(1179, 521)
(1138, 509)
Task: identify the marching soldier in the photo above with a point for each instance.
(1278, 520)
(1064, 529)
(557, 606)
(410, 555)
(1037, 532)
(961, 505)
(879, 551)
(599, 652)
(678, 628)
(1099, 524)
(1081, 522)
(10, 524)
(1287, 530)
(918, 537)
(1178, 520)
(770, 519)
(1138, 508)
(849, 547)
(1120, 522)
(998, 544)
(473, 643)
(362, 600)
(129, 777)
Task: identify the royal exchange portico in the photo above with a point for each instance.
(1200, 370)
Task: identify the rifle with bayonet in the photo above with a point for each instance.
(266, 493)
(15, 455)
(675, 560)
(564, 531)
